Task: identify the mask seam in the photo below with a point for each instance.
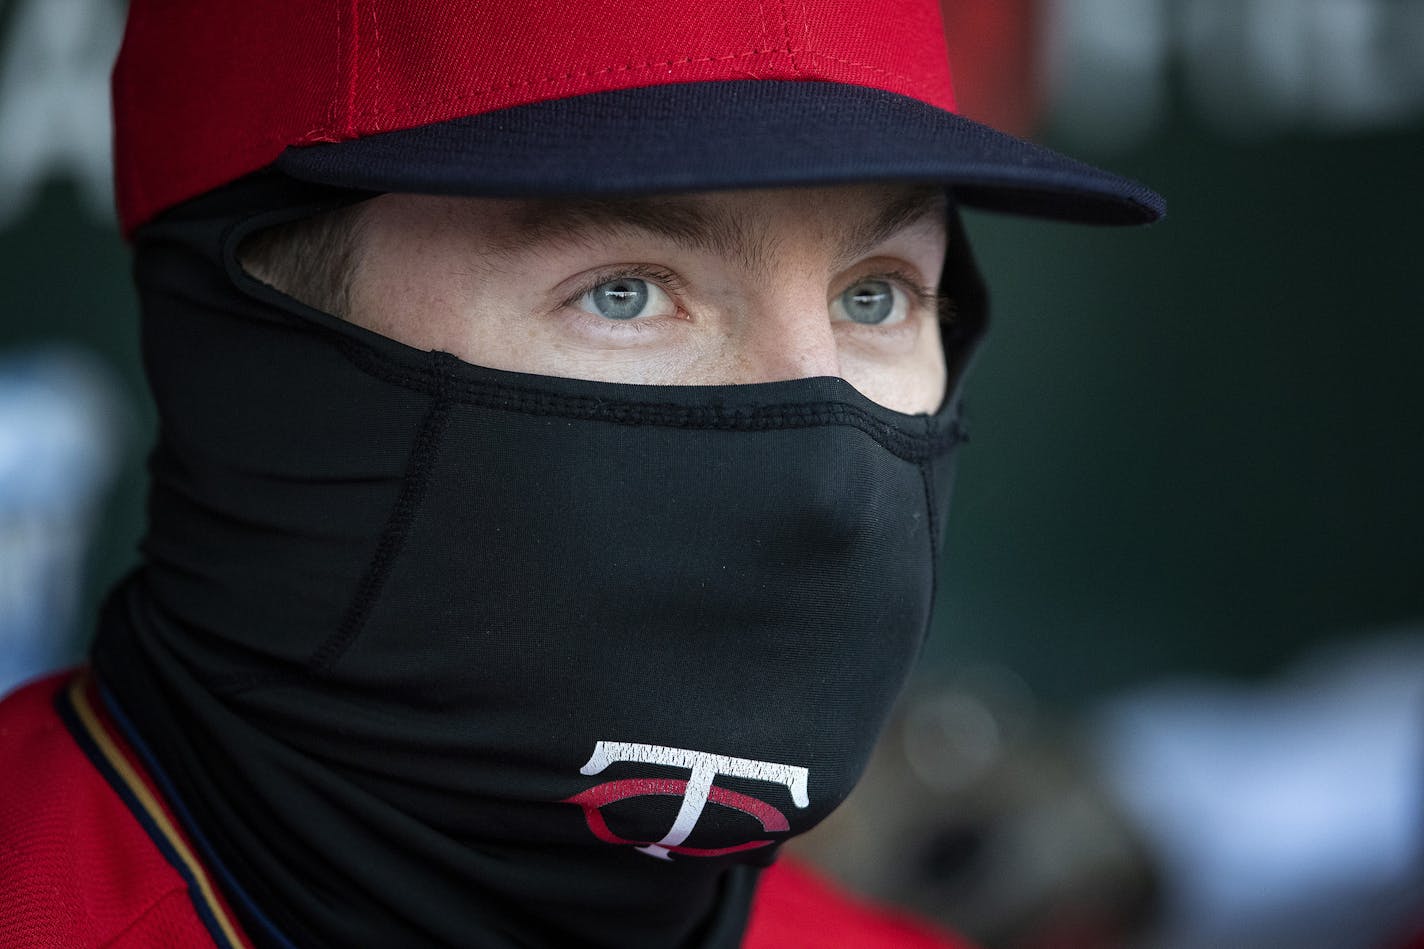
(912, 447)
(429, 438)
(927, 480)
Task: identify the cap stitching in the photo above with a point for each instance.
(376, 38)
(629, 67)
(318, 133)
(425, 103)
(786, 37)
(332, 119)
(346, 126)
(805, 29)
(859, 65)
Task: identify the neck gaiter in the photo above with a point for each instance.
(433, 654)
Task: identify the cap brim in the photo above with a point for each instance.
(730, 134)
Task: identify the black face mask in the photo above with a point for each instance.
(443, 655)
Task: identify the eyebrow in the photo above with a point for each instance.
(688, 224)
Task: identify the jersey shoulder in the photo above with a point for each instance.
(77, 867)
(796, 909)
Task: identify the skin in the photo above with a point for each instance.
(742, 286)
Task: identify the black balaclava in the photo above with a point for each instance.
(434, 654)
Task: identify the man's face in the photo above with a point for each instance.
(693, 289)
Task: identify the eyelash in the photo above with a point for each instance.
(924, 297)
(664, 278)
(941, 303)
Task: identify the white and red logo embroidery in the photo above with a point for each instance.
(695, 792)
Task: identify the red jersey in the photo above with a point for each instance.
(92, 854)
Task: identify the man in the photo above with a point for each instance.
(557, 410)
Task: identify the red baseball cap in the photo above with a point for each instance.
(490, 97)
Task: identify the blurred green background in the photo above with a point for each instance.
(1201, 446)
(1196, 447)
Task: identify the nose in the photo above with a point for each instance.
(789, 337)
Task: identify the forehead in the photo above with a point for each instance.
(746, 225)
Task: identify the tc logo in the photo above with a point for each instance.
(695, 792)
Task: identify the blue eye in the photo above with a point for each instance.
(629, 299)
(622, 299)
(870, 301)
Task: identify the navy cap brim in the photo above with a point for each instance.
(729, 134)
